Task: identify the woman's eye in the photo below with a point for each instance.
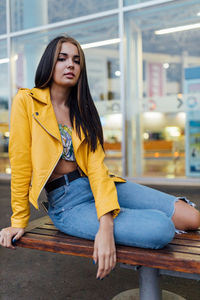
(77, 62)
(60, 59)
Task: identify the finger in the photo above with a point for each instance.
(114, 260)
(101, 267)
(95, 255)
(9, 241)
(18, 235)
(8, 238)
(15, 238)
(1, 239)
(110, 264)
(107, 266)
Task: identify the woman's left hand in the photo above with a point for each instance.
(104, 247)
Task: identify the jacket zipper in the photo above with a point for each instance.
(53, 165)
(45, 128)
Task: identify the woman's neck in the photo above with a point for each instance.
(59, 95)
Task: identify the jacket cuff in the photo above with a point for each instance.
(19, 223)
(115, 211)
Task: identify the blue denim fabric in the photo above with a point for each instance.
(144, 220)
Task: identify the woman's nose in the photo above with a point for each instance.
(70, 64)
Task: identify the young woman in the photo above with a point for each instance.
(56, 143)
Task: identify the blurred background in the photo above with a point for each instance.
(143, 62)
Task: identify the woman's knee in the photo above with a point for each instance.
(165, 233)
(186, 217)
(159, 232)
(143, 228)
(194, 220)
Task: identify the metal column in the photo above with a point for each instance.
(149, 283)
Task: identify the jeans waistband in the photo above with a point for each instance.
(50, 186)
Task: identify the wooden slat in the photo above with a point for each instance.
(45, 226)
(182, 254)
(193, 244)
(73, 246)
(171, 247)
(40, 221)
(184, 242)
(183, 249)
(42, 231)
(192, 235)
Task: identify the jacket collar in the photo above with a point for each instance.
(42, 95)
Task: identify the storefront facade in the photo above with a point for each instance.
(143, 62)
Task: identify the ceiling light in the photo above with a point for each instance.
(165, 65)
(178, 28)
(100, 43)
(198, 14)
(117, 73)
(4, 60)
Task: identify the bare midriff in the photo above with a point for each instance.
(63, 167)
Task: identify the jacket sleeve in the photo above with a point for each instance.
(102, 185)
(20, 160)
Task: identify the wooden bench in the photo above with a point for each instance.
(179, 258)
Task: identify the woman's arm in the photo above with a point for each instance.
(107, 206)
(20, 160)
(104, 246)
(102, 185)
(21, 171)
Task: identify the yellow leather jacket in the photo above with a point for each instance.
(35, 148)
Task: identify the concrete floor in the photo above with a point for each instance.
(36, 275)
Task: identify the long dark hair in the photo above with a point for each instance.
(80, 102)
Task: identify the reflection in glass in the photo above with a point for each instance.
(132, 2)
(30, 13)
(2, 16)
(62, 10)
(164, 58)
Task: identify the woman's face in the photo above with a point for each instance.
(67, 68)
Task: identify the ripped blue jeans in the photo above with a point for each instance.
(144, 220)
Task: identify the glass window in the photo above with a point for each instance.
(132, 2)
(2, 16)
(99, 39)
(165, 67)
(30, 13)
(4, 131)
(64, 10)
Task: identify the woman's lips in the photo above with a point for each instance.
(69, 75)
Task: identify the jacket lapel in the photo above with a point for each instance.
(76, 141)
(44, 114)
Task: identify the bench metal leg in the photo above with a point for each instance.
(149, 283)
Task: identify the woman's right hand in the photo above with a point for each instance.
(8, 234)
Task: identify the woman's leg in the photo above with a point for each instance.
(181, 210)
(134, 227)
(186, 217)
(73, 211)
